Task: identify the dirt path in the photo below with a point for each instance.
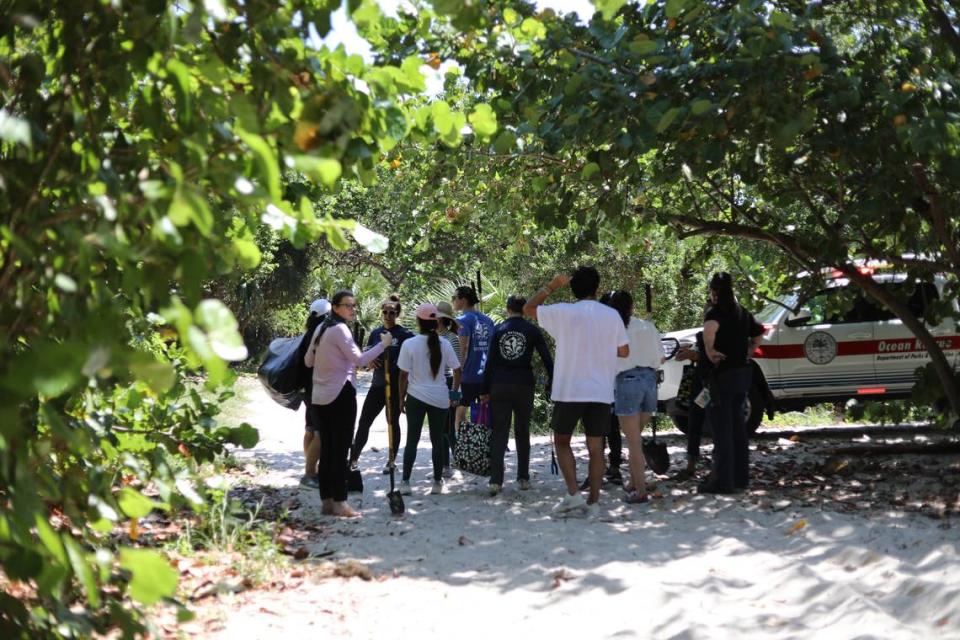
(846, 548)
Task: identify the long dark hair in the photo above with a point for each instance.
(429, 328)
(722, 283)
(622, 302)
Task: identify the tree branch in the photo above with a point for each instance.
(949, 34)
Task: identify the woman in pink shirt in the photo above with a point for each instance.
(335, 357)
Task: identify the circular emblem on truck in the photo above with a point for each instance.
(820, 347)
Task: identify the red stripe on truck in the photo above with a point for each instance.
(858, 347)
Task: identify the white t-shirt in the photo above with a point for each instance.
(587, 334)
(422, 384)
(645, 349)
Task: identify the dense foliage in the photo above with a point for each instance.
(177, 178)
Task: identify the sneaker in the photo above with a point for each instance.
(388, 468)
(493, 489)
(635, 497)
(593, 511)
(569, 504)
(405, 488)
(354, 465)
(447, 473)
(437, 488)
(524, 485)
(310, 482)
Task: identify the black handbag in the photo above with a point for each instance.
(655, 453)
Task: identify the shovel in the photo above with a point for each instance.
(394, 499)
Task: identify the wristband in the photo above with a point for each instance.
(455, 395)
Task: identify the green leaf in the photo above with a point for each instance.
(534, 29)
(643, 46)
(84, 573)
(222, 329)
(244, 436)
(589, 170)
(413, 80)
(325, 170)
(443, 120)
(675, 7)
(608, 8)
(266, 162)
(700, 106)
(188, 206)
(510, 16)
(133, 503)
(50, 539)
(667, 119)
(484, 121)
(152, 576)
(506, 142)
(248, 252)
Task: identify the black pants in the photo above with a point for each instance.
(615, 442)
(510, 401)
(450, 430)
(372, 406)
(731, 451)
(696, 416)
(335, 422)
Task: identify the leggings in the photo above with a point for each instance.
(417, 410)
(374, 403)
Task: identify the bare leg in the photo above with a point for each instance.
(327, 508)
(568, 466)
(631, 427)
(597, 465)
(311, 451)
(461, 413)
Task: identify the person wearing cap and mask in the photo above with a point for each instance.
(447, 328)
(311, 442)
(730, 335)
(376, 398)
(508, 386)
(424, 393)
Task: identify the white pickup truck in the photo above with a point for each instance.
(828, 351)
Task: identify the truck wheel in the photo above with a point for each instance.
(753, 408)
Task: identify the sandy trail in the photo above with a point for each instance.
(464, 565)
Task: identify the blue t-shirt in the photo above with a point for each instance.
(479, 328)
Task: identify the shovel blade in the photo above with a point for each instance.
(396, 502)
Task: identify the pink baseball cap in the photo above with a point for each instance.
(427, 311)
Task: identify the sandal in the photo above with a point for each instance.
(633, 497)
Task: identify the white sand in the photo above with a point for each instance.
(463, 565)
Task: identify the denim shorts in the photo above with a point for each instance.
(635, 392)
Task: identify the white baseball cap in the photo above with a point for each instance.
(320, 306)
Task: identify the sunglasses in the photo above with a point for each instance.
(389, 312)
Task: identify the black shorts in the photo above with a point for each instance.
(470, 391)
(595, 416)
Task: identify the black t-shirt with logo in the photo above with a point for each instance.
(510, 356)
(733, 336)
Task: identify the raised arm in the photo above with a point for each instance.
(537, 299)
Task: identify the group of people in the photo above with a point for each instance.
(605, 365)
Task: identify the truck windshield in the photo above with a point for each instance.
(772, 312)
